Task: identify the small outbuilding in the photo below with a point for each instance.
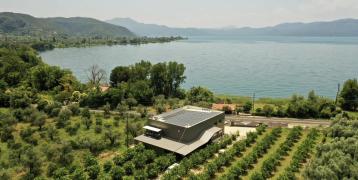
(183, 130)
(230, 108)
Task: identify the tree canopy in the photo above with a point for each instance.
(349, 95)
(336, 158)
(15, 62)
(45, 77)
(197, 94)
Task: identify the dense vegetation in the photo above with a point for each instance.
(349, 95)
(141, 83)
(53, 141)
(336, 158)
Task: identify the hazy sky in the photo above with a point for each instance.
(192, 13)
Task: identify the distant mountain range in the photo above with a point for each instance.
(342, 27)
(22, 24)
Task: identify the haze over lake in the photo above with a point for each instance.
(268, 66)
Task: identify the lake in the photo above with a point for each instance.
(268, 66)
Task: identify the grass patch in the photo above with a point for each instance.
(264, 100)
(4, 110)
(234, 99)
(352, 114)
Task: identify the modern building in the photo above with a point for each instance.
(183, 130)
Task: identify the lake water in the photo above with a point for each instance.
(268, 66)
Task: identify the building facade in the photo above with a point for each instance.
(183, 130)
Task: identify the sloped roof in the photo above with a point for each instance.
(177, 147)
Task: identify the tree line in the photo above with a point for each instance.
(62, 41)
(312, 106)
(142, 83)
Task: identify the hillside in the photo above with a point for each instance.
(342, 27)
(154, 29)
(22, 24)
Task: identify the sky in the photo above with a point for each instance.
(192, 13)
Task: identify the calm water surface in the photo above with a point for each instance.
(268, 66)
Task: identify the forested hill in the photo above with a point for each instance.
(22, 24)
(342, 27)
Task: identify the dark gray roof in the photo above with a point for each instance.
(178, 147)
(187, 116)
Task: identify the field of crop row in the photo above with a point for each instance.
(268, 153)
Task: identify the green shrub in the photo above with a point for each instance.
(107, 166)
(73, 129)
(98, 129)
(247, 107)
(74, 108)
(117, 173)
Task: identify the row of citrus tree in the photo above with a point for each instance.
(269, 165)
(258, 151)
(225, 158)
(300, 156)
(198, 158)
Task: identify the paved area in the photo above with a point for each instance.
(242, 130)
(274, 121)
